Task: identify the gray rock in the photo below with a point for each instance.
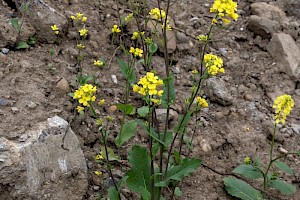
(161, 116)
(182, 38)
(296, 128)
(63, 85)
(284, 50)
(44, 163)
(271, 12)
(3, 102)
(218, 92)
(262, 26)
(114, 79)
(4, 50)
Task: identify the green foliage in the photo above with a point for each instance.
(22, 45)
(170, 81)
(113, 193)
(182, 122)
(127, 132)
(241, 189)
(283, 187)
(178, 172)
(284, 167)
(139, 177)
(143, 111)
(15, 23)
(177, 192)
(248, 171)
(82, 80)
(127, 71)
(31, 40)
(127, 109)
(153, 48)
(111, 154)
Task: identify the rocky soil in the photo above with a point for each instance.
(47, 152)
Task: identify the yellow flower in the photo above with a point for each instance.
(128, 17)
(98, 157)
(214, 64)
(148, 40)
(99, 122)
(283, 106)
(98, 63)
(55, 29)
(83, 32)
(202, 38)
(79, 15)
(202, 102)
(101, 102)
(156, 101)
(79, 109)
(136, 52)
(85, 94)
(80, 46)
(98, 173)
(195, 71)
(148, 85)
(247, 160)
(84, 19)
(115, 29)
(109, 118)
(72, 17)
(225, 8)
(168, 26)
(214, 21)
(137, 35)
(157, 13)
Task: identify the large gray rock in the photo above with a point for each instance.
(217, 91)
(284, 50)
(42, 16)
(262, 26)
(268, 11)
(48, 165)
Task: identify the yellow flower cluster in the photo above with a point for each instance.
(214, 64)
(85, 94)
(247, 160)
(79, 109)
(55, 29)
(115, 29)
(136, 52)
(79, 17)
(80, 46)
(98, 173)
(98, 157)
(202, 102)
(148, 85)
(83, 32)
(225, 9)
(136, 35)
(195, 71)
(128, 17)
(168, 26)
(156, 13)
(283, 106)
(202, 38)
(98, 63)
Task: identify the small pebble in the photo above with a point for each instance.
(205, 146)
(31, 104)
(223, 51)
(63, 85)
(114, 79)
(14, 109)
(248, 97)
(3, 102)
(4, 50)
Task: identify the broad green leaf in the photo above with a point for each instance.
(127, 71)
(22, 45)
(15, 23)
(241, 189)
(177, 157)
(113, 194)
(123, 67)
(170, 81)
(153, 48)
(283, 187)
(71, 94)
(182, 123)
(248, 171)
(127, 132)
(31, 40)
(178, 172)
(127, 109)
(111, 154)
(177, 192)
(284, 167)
(120, 182)
(143, 111)
(139, 179)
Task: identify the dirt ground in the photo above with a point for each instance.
(31, 94)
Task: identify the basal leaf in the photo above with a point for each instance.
(153, 48)
(127, 132)
(127, 71)
(113, 194)
(143, 111)
(22, 45)
(241, 189)
(284, 167)
(178, 172)
(248, 171)
(283, 187)
(127, 109)
(139, 179)
(15, 23)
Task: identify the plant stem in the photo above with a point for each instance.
(270, 159)
(150, 150)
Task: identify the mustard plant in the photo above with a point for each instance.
(254, 169)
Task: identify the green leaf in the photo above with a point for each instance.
(177, 192)
(284, 167)
(283, 187)
(298, 153)
(71, 94)
(178, 172)
(241, 189)
(153, 48)
(170, 81)
(139, 177)
(248, 171)
(127, 132)
(113, 194)
(127, 71)
(182, 123)
(15, 23)
(111, 154)
(177, 157)
(22, 45)
(143, 111)
(31, 40)
(127, 109)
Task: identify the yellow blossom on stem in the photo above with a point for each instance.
(98, 157)
(225, 9)
(156, 13)
(202, 102)
(168, 26)
(136, 52)
(195, 71)
(55, 29)
(101, 102)
(99, 122)
(202, 38)
(98, 63)
(247, 160)
(283, 106)
(85, 94)
(79, 109)
(136, 35)
(83, 32)
(80, 46)
(128, 17)
(214, 64)
(115, 29)
(148, 40)
(98, 173)
(84, 19)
